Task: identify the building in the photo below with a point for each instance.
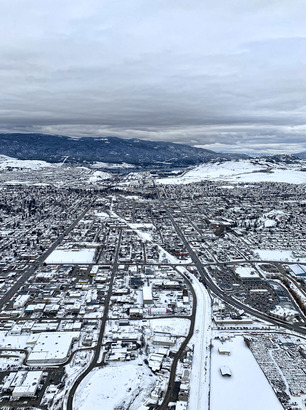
(224, 351)
(21, 301)
(26, 383)
(158, 311)
(225, 371)
(52, 347)
(147, 295)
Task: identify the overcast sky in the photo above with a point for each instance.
(227, 75)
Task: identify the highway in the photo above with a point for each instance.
(209, 284)
(200, 371)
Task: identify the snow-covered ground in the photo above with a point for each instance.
(107, 388)
(271, 218)
(7, 361)
(246, 272)
(108, 165)
(277, 255)
(8, 162)
(101, 215)
(142, 230)
(199, 377)
(247, 388)
(71, 256)
(238, 171)
(140, 226)
(98, 176)
(175, 326)
(134, 178)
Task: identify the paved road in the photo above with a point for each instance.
(213, 287)
(39, 261)
(178, 355)
(186, 263)
(101, 334)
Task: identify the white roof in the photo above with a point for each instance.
(52, 347)
(21, 300)
(246, 272)
(222, 350)
(147, 293)
(28, 385)
(225, 371)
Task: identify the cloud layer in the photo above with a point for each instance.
(226, 75)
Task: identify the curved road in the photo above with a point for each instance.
(207, 281)
(99, 342)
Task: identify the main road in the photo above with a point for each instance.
(178, 355)
(209, 284)
(40, 260)
(97, 349)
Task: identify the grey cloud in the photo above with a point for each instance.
(209, 73)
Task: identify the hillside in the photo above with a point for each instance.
(55, 148)
(248, 171)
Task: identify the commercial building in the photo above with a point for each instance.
(147, 295)
(26, 383)
(52, 347)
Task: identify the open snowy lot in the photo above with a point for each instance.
(71, 256)
(107, 388)
(277, 255)
(175, 326)
(247, 387)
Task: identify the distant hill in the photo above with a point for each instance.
(301, 155)
(54, 148)
(282, 158)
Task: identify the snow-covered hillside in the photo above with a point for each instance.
(8, 162)
(241, 171)
(34, 171)
(107, 165)
(99, 176)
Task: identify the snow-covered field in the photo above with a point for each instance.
(247, 388)
(8, 162)
(238, 171)
(277, 255)
(71, 256)
(175, 326)
(107, 388)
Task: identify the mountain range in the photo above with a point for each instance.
(54, 148)
(136, 152)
